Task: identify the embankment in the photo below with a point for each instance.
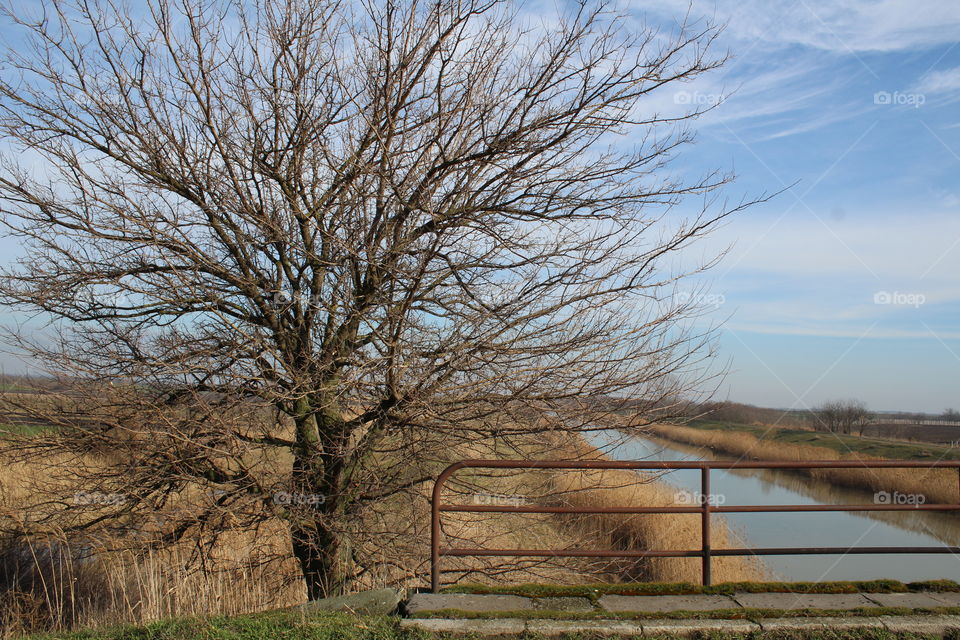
(936, 485)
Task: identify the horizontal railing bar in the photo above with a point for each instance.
(704, 509)
(692, 553)
(766, 508)
(800, 551)
(705, 464)
(572, 553)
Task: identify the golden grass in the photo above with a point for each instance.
(64, 586)
(936, 485)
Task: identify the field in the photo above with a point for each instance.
(915, 432)
(880, 447)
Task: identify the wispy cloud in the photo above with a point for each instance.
(940, 82)
(842, 26)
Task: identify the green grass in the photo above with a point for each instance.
(594, 591)
(24, 429)
(278, 625)
(840, 443)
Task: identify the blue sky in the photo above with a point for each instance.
(846, 285)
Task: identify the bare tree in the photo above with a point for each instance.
(305, 248)
(842, 416)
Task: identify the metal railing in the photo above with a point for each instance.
(705, 509)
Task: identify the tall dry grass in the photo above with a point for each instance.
(49, 581)
(937, 485)
(51, 584)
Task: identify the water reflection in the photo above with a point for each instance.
(765, 486)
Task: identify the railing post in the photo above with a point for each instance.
(705, 524)
(435, 536)
(435, 521)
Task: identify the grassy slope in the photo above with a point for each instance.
(840, 443)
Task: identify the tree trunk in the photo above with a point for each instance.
(320, 544)
(324, 556)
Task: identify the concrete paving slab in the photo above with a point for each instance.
(921, 624)
(378, 602)
(485, 603)
(945, 598)
(650, 604)
(786, 624)
(909, 600)
(489, 627)
(570, 604)
(930, 625)
(599, 627)
(683, 628)
(792, 601)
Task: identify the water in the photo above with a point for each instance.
(810, 529)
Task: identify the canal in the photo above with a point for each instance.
(809, 529)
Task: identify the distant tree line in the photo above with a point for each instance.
(841, 416)
(833, 416)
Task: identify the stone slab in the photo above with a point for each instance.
(921, 624)
(570, 604)
(489, 627)
(908, 600)
(945, 598)
(683, 628)
(485, 603)
(653, 604)
(375, 602)
(930, 625)
(592, 627)
(814, 623)
(793, 601)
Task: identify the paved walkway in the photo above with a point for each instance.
(730, 613)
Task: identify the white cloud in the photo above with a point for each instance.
(939, 82)
(851, 26)
(807, 277)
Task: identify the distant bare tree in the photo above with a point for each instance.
(842, 416)
(306, 248)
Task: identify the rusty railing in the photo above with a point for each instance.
(705, 509)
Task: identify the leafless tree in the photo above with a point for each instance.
(305, 248)
(842, 416)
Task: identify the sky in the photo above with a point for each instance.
(847, 283)
(844, 285)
